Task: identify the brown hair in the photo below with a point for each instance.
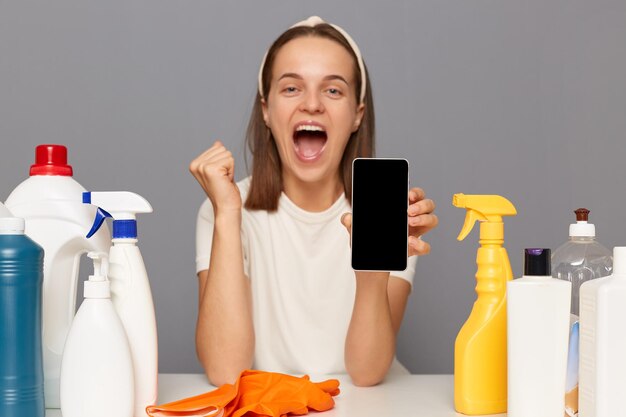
(266, 184)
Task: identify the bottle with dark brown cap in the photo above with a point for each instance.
(580, 259)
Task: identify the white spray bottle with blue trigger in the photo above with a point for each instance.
(130, 287)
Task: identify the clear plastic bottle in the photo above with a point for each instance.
(580, 259)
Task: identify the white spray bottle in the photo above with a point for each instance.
(130, 287)
(97, 368)
(50, 203)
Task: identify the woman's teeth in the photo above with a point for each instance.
(309, 128)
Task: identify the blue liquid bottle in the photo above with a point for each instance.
(21, 277)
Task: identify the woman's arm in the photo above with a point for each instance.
(224, 331)
(380, 302)
(371, 340)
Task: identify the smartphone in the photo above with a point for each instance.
(380, 200)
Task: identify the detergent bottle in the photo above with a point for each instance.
(582, 258)
(50, 202)
(97, 369)
(603, 342)
(21, 277)
(538, 329)
(130, 287)
(480, 360)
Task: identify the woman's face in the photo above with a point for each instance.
(311, 107)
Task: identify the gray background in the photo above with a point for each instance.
(526, 99)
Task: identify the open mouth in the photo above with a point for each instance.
(309, 141)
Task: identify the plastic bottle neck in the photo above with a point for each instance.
(125, 241)
(97, 287)
(582, 238)
(12, 226)
(125, 229)
(491, 233)
(538, 277)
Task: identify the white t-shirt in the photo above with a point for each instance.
(303, 286)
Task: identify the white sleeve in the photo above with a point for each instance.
(409, 272)
(204, 239)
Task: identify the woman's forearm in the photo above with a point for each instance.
(371, 339)
(224, 332)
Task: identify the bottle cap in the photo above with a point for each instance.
(124, 229)
(537, 262)
(11, 226)
(582, 228)
(619, 260)
(51, 160)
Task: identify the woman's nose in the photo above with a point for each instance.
(312, 103)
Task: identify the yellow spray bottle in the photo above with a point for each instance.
(480, 361)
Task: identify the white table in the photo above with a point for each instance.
(399, 395)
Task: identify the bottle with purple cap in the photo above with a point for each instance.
(537, 332)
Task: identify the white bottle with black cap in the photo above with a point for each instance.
(97, 377)
(603, 343)
(537, 331)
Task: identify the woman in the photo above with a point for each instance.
(276, 288)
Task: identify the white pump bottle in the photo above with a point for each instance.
(130, 287)
(50, 203)
(97, 369)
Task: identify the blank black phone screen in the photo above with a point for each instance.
(379, 214)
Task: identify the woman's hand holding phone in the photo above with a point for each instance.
(421, 221)
(388, 219)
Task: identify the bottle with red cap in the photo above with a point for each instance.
(50, 201)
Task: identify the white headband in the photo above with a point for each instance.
(312, 22)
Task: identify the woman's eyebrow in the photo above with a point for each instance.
(290, 75)
(326, 78)
(335, 77)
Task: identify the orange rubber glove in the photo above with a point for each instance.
(256, 392)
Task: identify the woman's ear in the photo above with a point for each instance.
(359, 117)
(266, 117)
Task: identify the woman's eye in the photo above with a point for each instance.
(334, 91)
(290, 90)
